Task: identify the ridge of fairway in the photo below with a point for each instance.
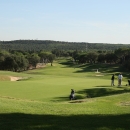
(18, 99)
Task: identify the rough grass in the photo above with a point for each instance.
(4, 78)
(40, 101)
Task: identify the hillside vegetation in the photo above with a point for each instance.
(48, 45)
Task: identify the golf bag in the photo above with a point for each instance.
(129, 82)
(71, 96)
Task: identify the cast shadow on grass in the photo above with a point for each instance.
(93, 93)
(58, 99)
(88, 67)
(67, 63)
(100, 92)
(103, 68)
(21, 121)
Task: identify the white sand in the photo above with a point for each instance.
(14, 78)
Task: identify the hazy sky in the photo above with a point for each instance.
(93, 21)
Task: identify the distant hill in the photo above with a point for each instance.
(48, 45)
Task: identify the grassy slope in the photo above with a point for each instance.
(41, 102)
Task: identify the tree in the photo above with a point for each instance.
(56, 52)
(43, 56)
(9, 63)
(75, 55)
(21, 63)
(51, 58)
(34, 59)
(92, 57)
(111, 58)
(101, 58)
(82, 58)
(121, 53)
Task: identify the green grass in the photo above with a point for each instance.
(40, 101)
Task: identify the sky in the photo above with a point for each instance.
(92, 21)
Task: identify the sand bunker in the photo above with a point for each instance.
(15, 78)
(99, 75)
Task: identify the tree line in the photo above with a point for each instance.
(22, 60)
(48, 45)
(119, 56)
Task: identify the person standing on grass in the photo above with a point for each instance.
(120, 79)
(129, 82)
(112, 80)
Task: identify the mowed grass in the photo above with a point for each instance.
(41, 100)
